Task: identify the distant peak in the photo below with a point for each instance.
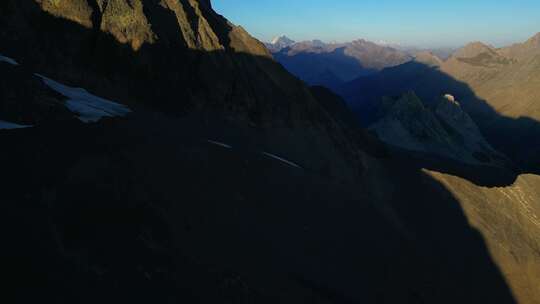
(534, 39)
(362, 41)
(477, 45)
(282, 39)
(385, 43)
(318, 43)
(428, 58)
(473, 49)
(280, 42)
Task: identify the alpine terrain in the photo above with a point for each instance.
(154, 152)
(333, 64)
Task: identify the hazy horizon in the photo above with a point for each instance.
(417, 23)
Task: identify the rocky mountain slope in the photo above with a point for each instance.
(515, 210)
(228, 180)
(446, 130)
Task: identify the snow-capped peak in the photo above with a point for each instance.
(283, 40)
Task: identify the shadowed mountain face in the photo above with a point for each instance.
(444, 130)
(442, 137)
(229, 182)
(497, 87)
(314, 61)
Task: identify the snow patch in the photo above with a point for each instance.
(88, 107)
(217, 143)
(8, 60)
(290, 163)
(5, 125)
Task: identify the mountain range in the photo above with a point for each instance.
(154, 152)
(497, 87)
(332, 64)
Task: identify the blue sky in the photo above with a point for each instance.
(426, 23)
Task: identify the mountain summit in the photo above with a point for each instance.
(473, 49)
(282, 40)
(535, 40)
(279, 43)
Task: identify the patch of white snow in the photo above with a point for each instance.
(290, 163)
(217, 143)
(8, 60)
(5, 125)
(88, 107)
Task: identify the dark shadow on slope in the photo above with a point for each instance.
(516, 138)
(315, 68)
(166, 26)
(97, 15)
(482, 175)
(349, 122)
(139, 211)
(326, 79)
(129, 212)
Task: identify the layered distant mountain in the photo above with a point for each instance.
(154, 152)
(498, 87)
(331, 64)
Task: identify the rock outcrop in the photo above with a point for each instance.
(445, 131)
